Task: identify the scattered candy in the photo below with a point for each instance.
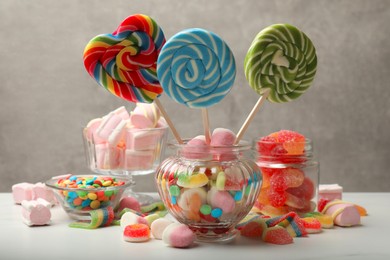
(196, 68)
(99, 218)
(178, 235)
(124, 62)
(291, 221)
(277, 235)
(312, 225)
(326, 221)
(129, 203)
(36, 212)
(136, 233)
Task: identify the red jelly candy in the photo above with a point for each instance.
(305, 191)
(293, 142)
(276, 199)
(278, 181)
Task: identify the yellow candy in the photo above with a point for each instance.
(92, 196)
(107, 183)
(95, 204)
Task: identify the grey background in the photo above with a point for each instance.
(46, 96)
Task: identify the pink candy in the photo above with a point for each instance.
(28, 191)
(36, 212)
(178, 235)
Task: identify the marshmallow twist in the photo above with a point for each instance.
(196, 68)
(124, 62)
(283, 59)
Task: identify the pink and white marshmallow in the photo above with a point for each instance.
(36, 212)
(330, 191)
(130, 218)
(145, 115)
(343, 214)
(178, 235)
(158, 226)
(22, 191)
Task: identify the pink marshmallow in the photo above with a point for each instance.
(343, 214)
(111, 128)
(222, 137)
(129, 203)
(36, 212)
(142, 139)
(139, 160)
(145, 115)
(90, 131)
(197, 148)
(178, 235)
(122, 113)
(22, 191)
(221, 199)
(330, 191)
(40, 190)
(108, 157)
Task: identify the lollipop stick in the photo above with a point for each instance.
(206, 125)
(169, 121)
(251, 115)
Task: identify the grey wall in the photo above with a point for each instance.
(46, 96)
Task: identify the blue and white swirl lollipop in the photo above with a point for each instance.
(196, 68)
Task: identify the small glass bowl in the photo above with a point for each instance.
(78, 202)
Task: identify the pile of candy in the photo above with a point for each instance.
(90, 192)
(288, 181)
(120, 140)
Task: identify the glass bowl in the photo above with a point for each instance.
(97, 191)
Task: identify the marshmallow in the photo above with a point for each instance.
(330, 191)
(139, 139)
(139, 160)
(158, 226)
(188, 196)
(221, 199)
(130, 218)
(178, 235)
(90, 131)
(197, 148)
(145, 115)
(222, 137)
(111, 128)
(344, 214)
(107, 156)
(40, 190)
(22, 191)
(36, 212)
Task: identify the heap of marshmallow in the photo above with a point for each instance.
(121, 140)
(36, 200)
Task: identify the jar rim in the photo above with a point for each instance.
(242, 145)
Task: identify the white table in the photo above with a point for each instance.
(58, 241)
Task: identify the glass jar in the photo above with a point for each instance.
(290, 177)
(209, 188)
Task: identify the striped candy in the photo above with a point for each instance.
(196, 68)
(125, 61)
(283, 59)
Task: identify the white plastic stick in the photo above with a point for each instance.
(206, 125)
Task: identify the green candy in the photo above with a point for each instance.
(283, 59)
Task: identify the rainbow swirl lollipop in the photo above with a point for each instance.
(282, 59)
(196, 68)
(124, 62)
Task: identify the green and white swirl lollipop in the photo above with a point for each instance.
(283, 59)
(280, 66)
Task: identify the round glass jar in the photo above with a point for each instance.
(290, 177)
(209, 188)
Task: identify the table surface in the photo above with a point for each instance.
(58, 241)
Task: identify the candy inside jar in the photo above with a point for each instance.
(290, 174)
(209, 188)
